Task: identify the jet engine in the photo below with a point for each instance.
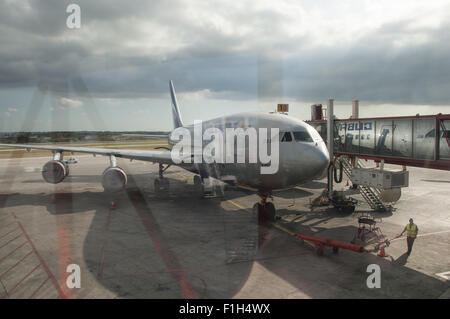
(55, 171)
(114, 179)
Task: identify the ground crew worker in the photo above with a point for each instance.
(411, 234)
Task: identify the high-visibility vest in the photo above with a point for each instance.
(411, 230)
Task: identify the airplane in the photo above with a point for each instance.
(303, 156)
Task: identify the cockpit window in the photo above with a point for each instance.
(302, 137)
(286, 137)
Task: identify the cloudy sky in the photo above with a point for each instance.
(223, 56)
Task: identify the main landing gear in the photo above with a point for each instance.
(265, 210)
(161, 183)
(205, 186)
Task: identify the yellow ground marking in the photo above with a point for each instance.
(284, 229)
(182, 176)
(237, 205)
(292, 234)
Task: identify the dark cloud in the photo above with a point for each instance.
(132, 49)
(376, 70)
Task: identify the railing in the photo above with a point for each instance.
(370, 195)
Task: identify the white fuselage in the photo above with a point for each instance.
(303, 155)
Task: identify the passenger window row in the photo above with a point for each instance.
(298, 136)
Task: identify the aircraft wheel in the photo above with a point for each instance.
(197, 180)
(266, 213)
(258, 212)
(270, 212)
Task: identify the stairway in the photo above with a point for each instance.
(371, 195)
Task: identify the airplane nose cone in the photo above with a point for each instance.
(323, 149)
(322, 158)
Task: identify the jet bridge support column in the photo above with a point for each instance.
(330, 142)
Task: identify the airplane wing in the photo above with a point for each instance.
(142, 155)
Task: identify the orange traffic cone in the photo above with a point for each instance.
(113, 206)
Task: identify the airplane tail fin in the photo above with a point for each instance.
(177, 122)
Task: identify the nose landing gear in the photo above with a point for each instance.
(264, 210)
(206, 186)
(161, 183)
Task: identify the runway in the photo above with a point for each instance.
(182, 246)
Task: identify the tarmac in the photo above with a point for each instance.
(178, 245)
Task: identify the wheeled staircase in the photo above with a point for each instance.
(370, 195)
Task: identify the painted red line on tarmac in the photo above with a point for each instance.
(7, 225)
(39, 288)
(23, 258)
(64, 204)
(63, 238)
(21, 280)
(10, 241)
(9, 232)
(105, 244)
(15, 249)
(155, 234)
(47, 270)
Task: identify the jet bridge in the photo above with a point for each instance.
(420, 141)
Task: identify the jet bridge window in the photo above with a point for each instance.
(431, 133)
(302, 137)
(286, 137)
